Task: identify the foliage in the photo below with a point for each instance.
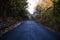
(13, 8)
(12, 11)
(51, 17)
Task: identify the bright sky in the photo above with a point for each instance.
(31, 5)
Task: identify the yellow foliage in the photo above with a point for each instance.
(45, 4)
(49, 3)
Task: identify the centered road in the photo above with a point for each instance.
(30, 30)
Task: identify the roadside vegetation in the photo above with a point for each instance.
(51, 16)
(12, 12)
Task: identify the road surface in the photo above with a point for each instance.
(30, 30)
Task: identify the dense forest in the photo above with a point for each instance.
(51, 16)
(12, 12)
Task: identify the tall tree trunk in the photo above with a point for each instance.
(5, 13)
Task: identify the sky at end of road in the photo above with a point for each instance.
(32, 5)
(43, 3)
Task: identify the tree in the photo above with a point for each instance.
(51, 16)
(12, 8)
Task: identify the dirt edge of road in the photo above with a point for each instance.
(2, 32)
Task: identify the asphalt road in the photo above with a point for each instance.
(30, 30)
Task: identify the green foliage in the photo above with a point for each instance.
(13, 8)
(57, 11)
(51, 17)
